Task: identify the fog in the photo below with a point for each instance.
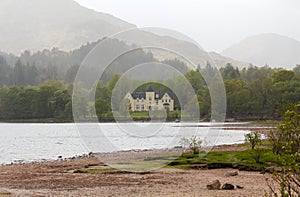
(215, 24)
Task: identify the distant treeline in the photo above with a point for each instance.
(39, 85)
(33, 69)
(253, 93)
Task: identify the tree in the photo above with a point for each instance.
(253, 138)
(19, 70)
(59, 101)
(193, 143)
(102, 108)
(238, 97)
(283, 76)
(288, 138)
(196, 80)
(297, 70)
(229, 72)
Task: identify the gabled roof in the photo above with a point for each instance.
(157, 95)
(172, 95)
(161, 94)
(150, 89)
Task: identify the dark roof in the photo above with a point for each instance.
(139, 95)
(158, 95)
(150, 89)
(161, 94)
(172, 95)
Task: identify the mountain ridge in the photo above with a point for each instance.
(43, 24)
(266, 49)
(66, 25)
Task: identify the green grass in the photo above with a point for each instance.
(262, 144)
(265, 123)
(243, 160)
(143, 115)
(222, 159)
(139, 115)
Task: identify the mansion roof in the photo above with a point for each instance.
(158, 95)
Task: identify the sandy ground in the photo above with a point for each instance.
(58, 179)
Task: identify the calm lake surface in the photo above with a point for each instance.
(37, 142)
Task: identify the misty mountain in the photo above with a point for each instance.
(221, 61)
(271, 49)
(63, 25)
(44, 24)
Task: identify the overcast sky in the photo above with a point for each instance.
(215, 24)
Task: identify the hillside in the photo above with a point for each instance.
(271, 49)
(64, 24)
(221, 61)
(44, 24)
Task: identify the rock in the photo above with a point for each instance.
(228, 186)
(4, 193)
(214, 185)
(231, 173)
(239, 187)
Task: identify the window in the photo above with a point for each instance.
(156, 102)
(142, 100)
(137, 100)
(150, 98)
(143, 107)
(169, 100)
(163, 100)
(137, 107)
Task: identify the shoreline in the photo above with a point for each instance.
(64, 177)
(53, 120)
(179, 149)
(237, 126)
(228, 126)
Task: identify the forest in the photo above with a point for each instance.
(252, 94)
(39, 86)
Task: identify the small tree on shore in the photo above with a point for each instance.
(193, 143)
(253, 138)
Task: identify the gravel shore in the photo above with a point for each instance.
(58, 178)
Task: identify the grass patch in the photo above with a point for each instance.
(97, 170)
(262, 143)
(139, 115)
(226, 159)
(144, 115)
(265, 123)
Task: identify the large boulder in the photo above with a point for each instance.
(214, 185)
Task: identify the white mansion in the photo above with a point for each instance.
(151, 100)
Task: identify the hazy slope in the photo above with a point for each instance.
(44, 24)
(221, 61)
(272, 49)
(39, 24)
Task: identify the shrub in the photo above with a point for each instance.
(286, 143)
(253, 138)
(194, 143)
